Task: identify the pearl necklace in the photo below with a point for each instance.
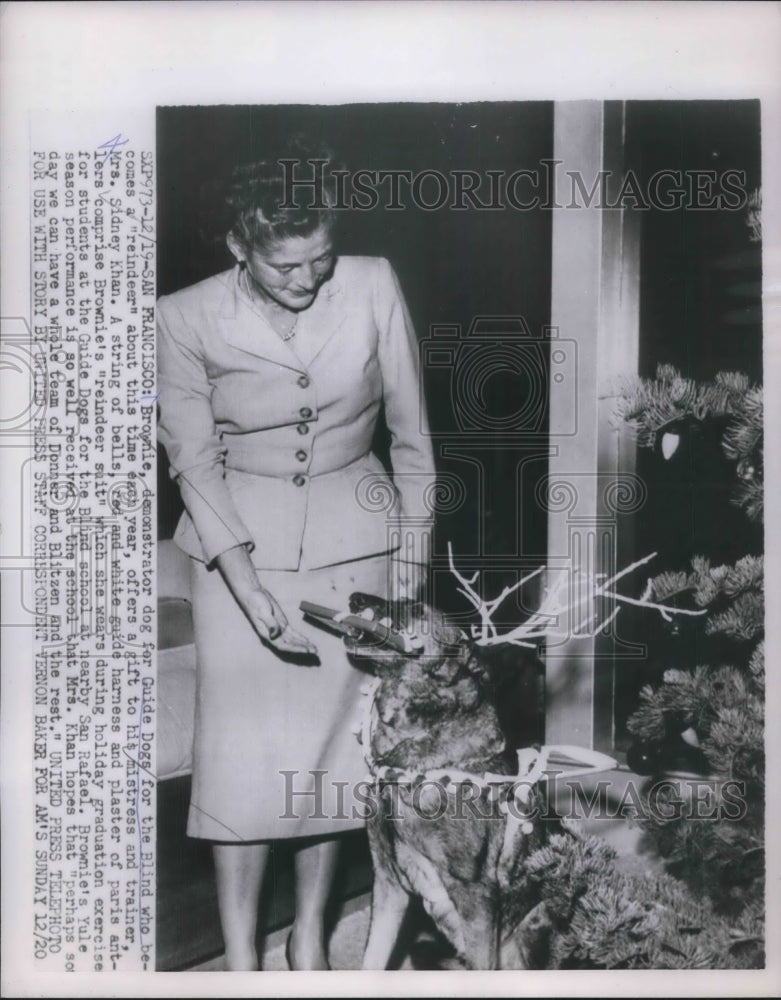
(282, 336)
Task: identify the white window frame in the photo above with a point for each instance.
(595, 302)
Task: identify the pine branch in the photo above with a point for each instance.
(750, 497)
(744, 620)
(748, 573)
(668, 585)
(754, 215)
(757, 664)
(650, 405)
(602, 918)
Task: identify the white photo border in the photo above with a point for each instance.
(128, 57)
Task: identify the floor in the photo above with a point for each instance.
(346, 945)
(188, 926)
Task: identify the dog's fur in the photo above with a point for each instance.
(436, 711)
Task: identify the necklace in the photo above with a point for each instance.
(291, 332)
(283, 336)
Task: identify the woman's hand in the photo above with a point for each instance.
(269, 621)
(259, 605)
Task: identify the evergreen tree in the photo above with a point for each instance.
(717, 706)
(571, 903)
(592, 915)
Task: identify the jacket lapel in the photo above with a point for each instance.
(324, 318)
(247, 329)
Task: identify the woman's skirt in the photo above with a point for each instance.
(274, 753)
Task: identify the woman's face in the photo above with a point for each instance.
(290, 271)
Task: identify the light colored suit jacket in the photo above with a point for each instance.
(270, 440)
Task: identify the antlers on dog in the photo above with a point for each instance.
(569, 596)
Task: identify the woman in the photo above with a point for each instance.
(272, 376)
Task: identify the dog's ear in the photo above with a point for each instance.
(478, 664)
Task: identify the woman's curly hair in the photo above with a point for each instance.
(259, 205)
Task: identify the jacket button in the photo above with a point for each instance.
(303, 428)
(303, 381)
(301, 455)
(305, 412)
(299, 480)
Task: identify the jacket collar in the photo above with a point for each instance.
(246, 328)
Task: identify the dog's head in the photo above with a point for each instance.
(432, 703)
(442, 652)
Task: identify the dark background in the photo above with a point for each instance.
(700, 305)
(453, 266)
(700, 310)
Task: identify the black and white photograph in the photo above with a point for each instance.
(400, 289)
(385, 521)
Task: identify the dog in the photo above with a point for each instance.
(447, 821)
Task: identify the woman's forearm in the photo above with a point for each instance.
(258, 604)
(237, 570)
